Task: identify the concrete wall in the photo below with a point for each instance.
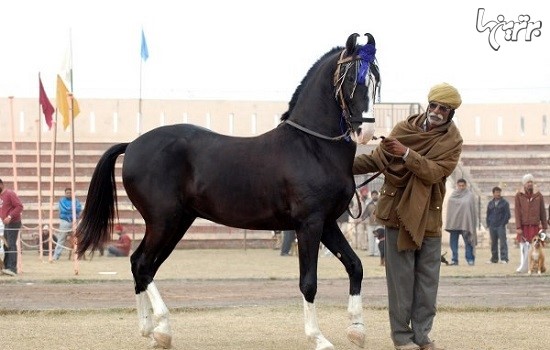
(111, 120)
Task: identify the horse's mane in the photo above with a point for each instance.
(296, 94)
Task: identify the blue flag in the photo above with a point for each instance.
(144, 50)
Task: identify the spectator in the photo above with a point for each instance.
(498, 215)
(289, 236)
(530, 215)
(380, 236)
(66, 220)
(361, 223)
(372, 224)
(46, 240)
(416, 159)
(122, 246)
(461, 221)
(10, 214)
(345, 227)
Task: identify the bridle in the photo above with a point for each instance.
(343, 63)
(338, 81)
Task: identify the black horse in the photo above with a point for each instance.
(295, 177)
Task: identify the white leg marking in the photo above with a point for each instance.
(313, 332)
(144, 314)
(356, 331)
(162, 335)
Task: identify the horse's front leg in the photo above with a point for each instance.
(335, 241)
(308, 253)
(312, 329)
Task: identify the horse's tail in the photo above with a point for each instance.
(99, 210)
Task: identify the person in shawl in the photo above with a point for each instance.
(416, 159)
(461, 221)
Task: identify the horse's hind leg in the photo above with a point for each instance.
(144, 314)
(335, 241)
(146, 260)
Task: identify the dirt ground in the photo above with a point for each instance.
(216, 278)
(220, 299)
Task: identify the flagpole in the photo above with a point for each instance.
(144, 54)
(48, 111)
(139, 107)
(52, 181)
(39, 176)
(73, 183)
(72, 156)
(13, 156)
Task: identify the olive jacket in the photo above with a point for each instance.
(411, 198)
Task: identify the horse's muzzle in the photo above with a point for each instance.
(365, 132)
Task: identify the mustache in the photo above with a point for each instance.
(433, 115)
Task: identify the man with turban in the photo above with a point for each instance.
(530, 217)
(416, 158)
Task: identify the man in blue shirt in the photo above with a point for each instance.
(66, 220)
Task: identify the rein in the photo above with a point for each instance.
(337, 81)
(316, 134)
(366, 182)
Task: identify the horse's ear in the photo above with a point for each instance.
(370, 39)
(350, 43)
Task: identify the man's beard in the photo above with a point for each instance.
(436, 119)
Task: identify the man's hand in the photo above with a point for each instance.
(394, 147)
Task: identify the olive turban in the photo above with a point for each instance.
(445, 94)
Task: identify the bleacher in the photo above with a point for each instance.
(487, 166)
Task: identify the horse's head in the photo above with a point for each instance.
(356, 82)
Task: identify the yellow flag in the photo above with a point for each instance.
(63, 101)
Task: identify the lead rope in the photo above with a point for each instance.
(365, 183)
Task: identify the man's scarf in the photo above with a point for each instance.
(442, 145)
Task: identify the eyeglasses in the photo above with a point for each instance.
(442, 108)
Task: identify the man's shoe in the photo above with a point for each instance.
(409, 346)
(491, 262)
(504, 261)
(454, 263)
(431, 346)
(8, 272)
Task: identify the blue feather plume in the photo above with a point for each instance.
(367, 55)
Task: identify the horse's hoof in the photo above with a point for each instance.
(162, 340)
(146, 329)
(325, 346)
(356, 335)
(321, 343)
